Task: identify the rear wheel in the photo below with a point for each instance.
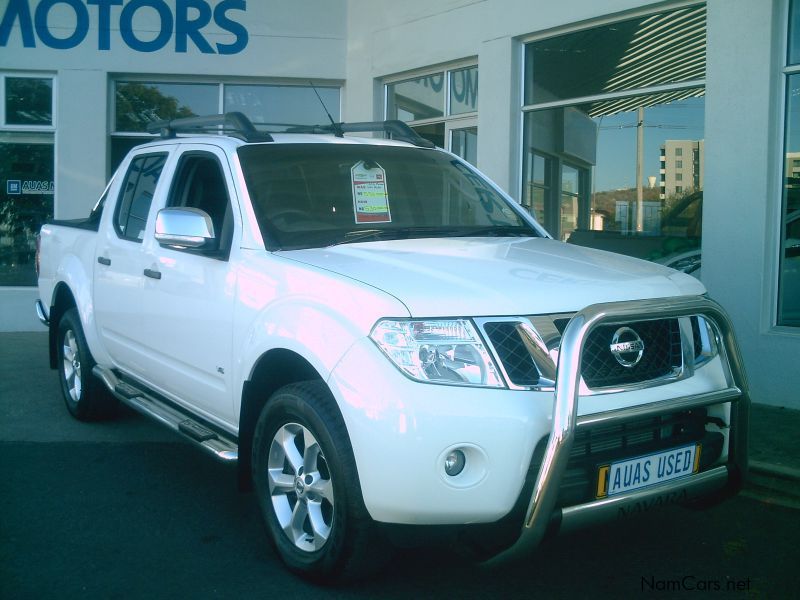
(308, 488)
(84, 395)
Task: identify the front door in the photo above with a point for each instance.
(188, 300)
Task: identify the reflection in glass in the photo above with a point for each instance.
(29, 101)
(537, 173)
(297, 105)
(569, 215)
(652, 50)
(569, 180)
(794, 33)
(416, 99)
(120, 146)
(656, 215)
(26, 202)
(464, 143)
(137, 104)
(464, 91)
(570, 199)
(432, 131)
(789, 282)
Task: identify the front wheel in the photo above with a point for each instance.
(308, 488)
(84, 395)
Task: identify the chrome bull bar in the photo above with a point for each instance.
(565, 408)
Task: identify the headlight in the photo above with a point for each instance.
(705, 341)
(437, 351)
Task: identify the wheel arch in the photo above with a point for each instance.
(273, 370)
(63, 300)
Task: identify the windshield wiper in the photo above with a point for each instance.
(404, 233)
(351, 237)
(499, 231)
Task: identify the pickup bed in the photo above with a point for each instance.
(389, 347)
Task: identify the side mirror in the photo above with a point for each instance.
(184, 228)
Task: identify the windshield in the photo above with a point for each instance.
(316, 195)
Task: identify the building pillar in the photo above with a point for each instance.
(499, 115)
(742, 188)
(81, 141)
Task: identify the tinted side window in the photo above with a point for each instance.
(136, 196)
(200, 183)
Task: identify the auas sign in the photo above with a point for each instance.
(185, 23)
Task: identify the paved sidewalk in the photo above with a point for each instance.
(775, 455)
(774, 431)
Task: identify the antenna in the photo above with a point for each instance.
(337, 130)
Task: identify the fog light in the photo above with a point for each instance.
(454, 463)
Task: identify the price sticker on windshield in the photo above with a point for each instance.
(370, 197)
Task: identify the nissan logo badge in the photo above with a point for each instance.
(627, 347)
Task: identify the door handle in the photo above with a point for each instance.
(104, 261)
(152, 274)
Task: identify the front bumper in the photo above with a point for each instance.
(400, 431)
(724, 479)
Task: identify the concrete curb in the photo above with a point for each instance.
(773, 470)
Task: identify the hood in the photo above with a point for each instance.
(497, 276)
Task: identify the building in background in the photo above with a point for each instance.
(628, 125)
(681, 167)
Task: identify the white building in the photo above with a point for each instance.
(554, 101)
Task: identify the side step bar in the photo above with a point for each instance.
(220, 446)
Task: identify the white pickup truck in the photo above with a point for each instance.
(390, 347)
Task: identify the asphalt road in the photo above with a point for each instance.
(127, 510)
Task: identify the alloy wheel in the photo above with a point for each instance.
(300, 487)
(71, 368)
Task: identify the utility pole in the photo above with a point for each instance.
(640, 169)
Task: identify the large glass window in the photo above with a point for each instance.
(29, 101)
(615, 135)
(464, 91)
(416, 99)
(291, 104)
(27, 183)
(138, 103)
(789, 253)
(440, 106)
(26, 202)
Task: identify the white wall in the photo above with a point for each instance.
(741, 212)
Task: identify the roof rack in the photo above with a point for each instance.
(232, 123)
(397, 129)
(238, 125)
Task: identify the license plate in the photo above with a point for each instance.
(636, 473)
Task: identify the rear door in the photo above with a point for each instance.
(119, 269)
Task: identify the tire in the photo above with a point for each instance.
(308, 488)
(85, 396)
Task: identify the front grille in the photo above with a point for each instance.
(697, 341)
(603, 444)
(512, 352)
(662, 354)
(627, 436)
